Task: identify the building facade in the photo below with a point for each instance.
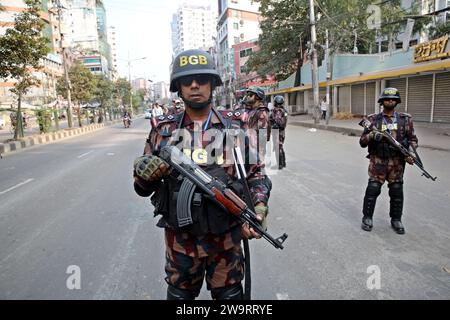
(52, 63)
(422, 74)
(245, 78)
(238, 21)
(193, 27)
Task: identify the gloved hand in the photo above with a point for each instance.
(375, 135)
(150, 168)
(261, 213)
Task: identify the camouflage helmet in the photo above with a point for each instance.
(278, 100)
(193, 62)
(258, 91)
(390, 93)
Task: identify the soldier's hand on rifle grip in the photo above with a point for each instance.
(150, 168)
(410, 160)
(375, 135)
(261, 212)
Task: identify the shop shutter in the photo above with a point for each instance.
(442, 98)
(400, 84)
(358, 99)
(419, 97)
(300, 102)
(370, 98)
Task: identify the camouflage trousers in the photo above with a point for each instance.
(279, 149)
(390, 169)
(221, 269)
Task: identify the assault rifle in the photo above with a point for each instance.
(366, 124)
(195, 177)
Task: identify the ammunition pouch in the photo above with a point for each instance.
(206, 216)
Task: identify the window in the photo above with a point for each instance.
(236, 26)
(236, 40)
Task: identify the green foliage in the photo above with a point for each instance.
(104, 91)
(22, 48)
(440, 30)
(122, 91)
(44, 120)
(286, 30)
(83, 84)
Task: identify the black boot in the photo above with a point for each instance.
(283, 158)
(398, 226)
(396, 206)
(373, 190)
(367, 223)
(174, 293)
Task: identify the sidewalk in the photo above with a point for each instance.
(430, 135)
(32, 139)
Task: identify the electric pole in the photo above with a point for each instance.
(66, 71)
(314, 66)
(328, 62)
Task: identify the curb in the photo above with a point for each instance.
(348, 131)
(50, 137)
(351, 132)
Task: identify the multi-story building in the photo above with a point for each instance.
(88, 34)
(238, 21)
(52, 63)
(245, 78)
(193, 27)
(114, 59)
(161, 91)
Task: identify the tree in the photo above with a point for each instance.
(21, 50)
(104, 93)
(123, 91)
(83, 86)
(440, 30)
(286, 31)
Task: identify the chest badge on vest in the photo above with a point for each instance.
(200, 156)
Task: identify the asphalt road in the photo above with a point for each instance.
(71, 203)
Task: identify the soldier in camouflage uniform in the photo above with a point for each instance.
(210, 247)
(386, 162)
(278, 120)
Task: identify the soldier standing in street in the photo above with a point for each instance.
(211, 246)
(176, 107)
(386, 162)
(278, 120)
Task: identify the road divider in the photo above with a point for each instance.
(46, 138)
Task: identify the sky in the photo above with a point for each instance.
(143, 30)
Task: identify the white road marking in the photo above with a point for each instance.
(110, 154)
(16, 186)
(282, 296)
(84, 154)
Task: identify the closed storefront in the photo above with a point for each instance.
(420, 92)
(358, 99)
(300, 102)
(442, 98)
(400, 84)
(344, 99)
(371, 98)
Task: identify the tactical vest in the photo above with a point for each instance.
(383, 149)
(207, 216)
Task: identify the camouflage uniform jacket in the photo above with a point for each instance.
(259, 184)
(278, 117)
(401, 128)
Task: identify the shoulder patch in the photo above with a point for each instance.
(404, 114)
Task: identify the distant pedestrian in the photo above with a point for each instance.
(323, 108)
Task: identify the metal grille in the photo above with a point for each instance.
(371, 102)
(420, 97)
(442, 98)
(358, 99)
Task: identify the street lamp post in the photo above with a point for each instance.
(129, 61)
